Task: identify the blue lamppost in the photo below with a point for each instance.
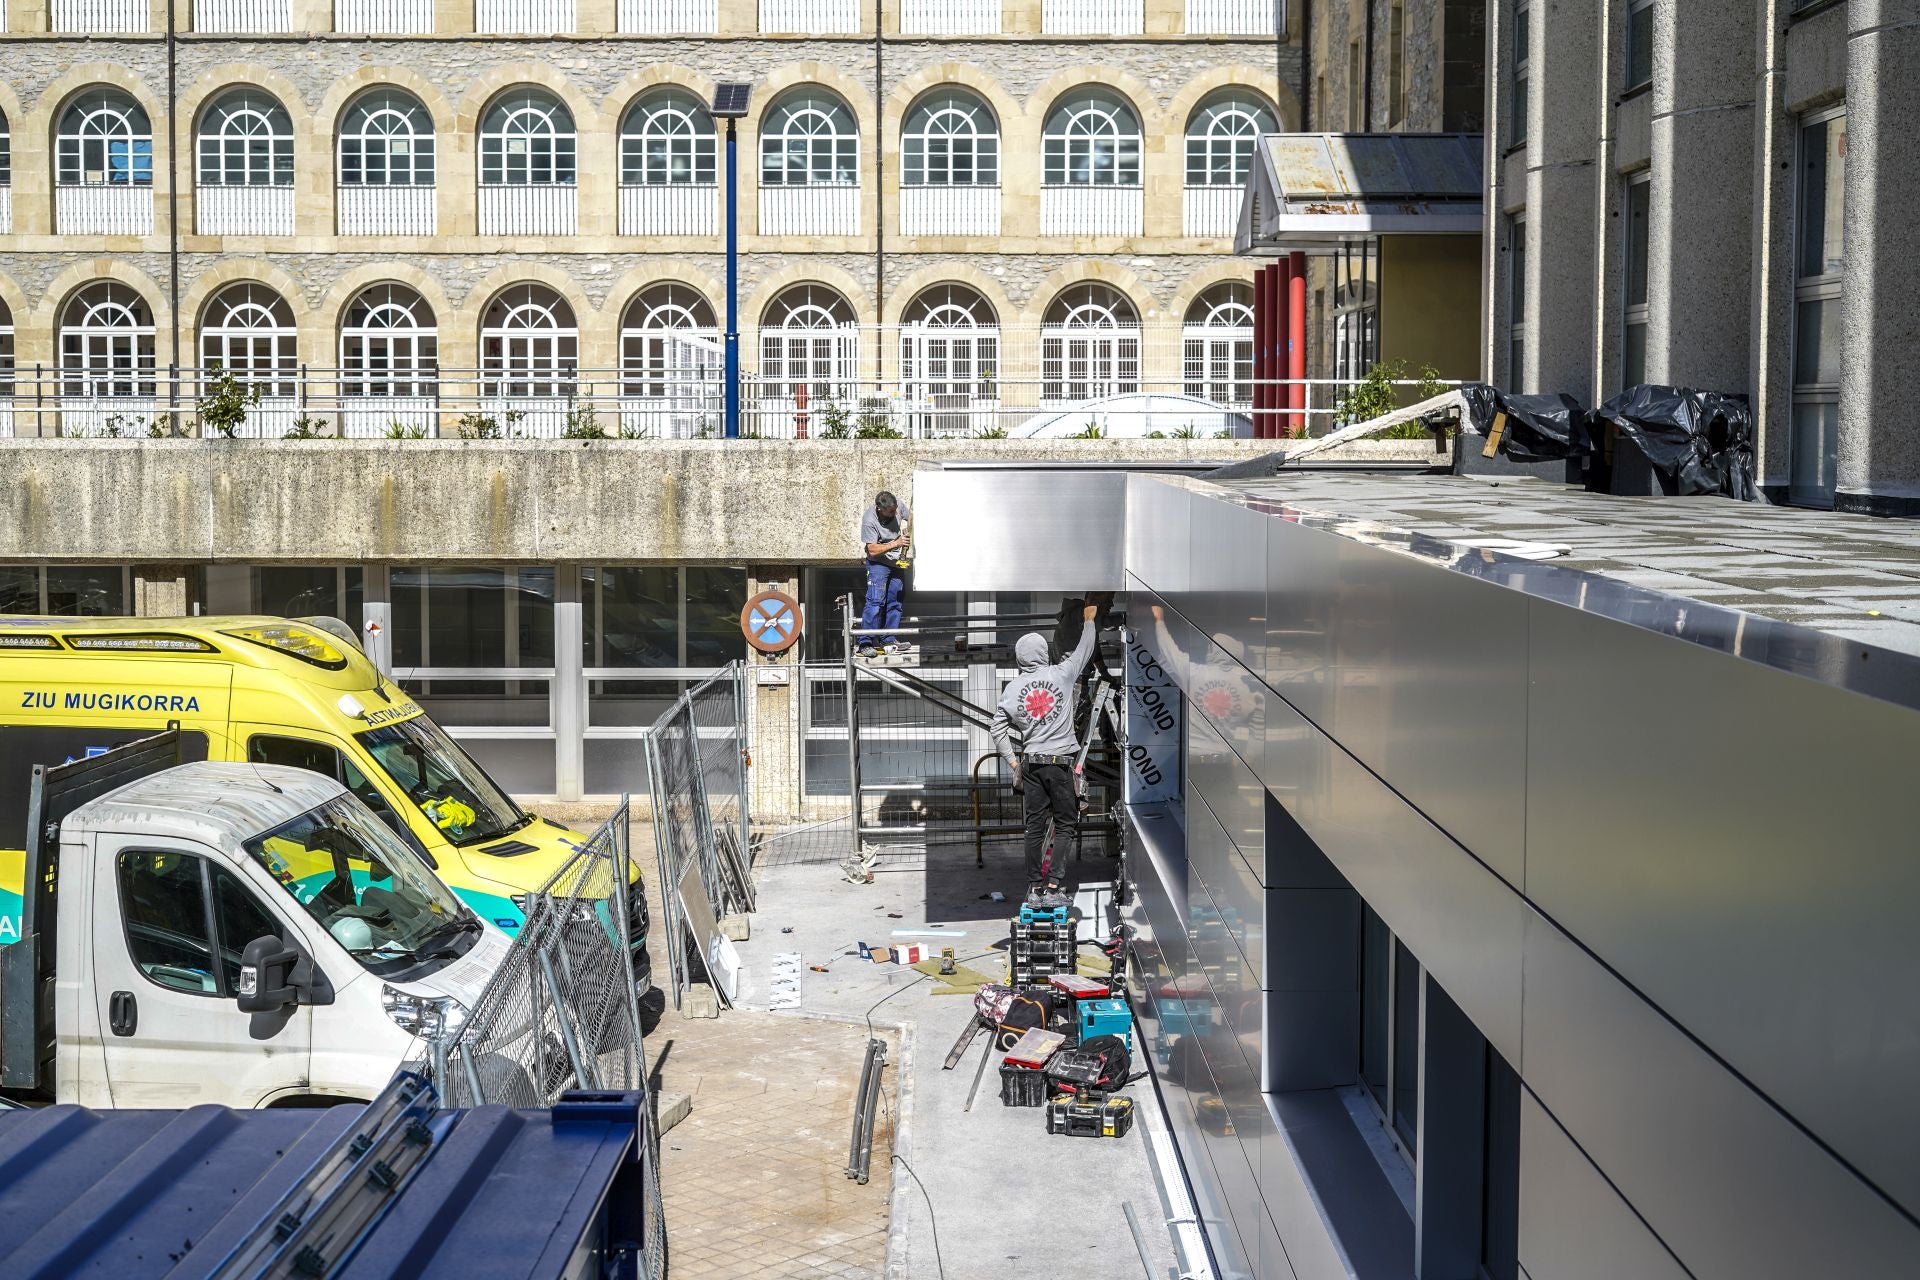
(730, 104)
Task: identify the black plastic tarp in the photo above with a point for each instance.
(1538, 429)
(1695, 441)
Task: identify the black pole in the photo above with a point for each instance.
(1306, 64)
(731, 428)
(173, 224)
(1366, 89)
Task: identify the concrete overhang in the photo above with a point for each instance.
(1314, 192)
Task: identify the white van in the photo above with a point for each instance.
(249, 935)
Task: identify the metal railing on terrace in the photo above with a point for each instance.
(1085, 384)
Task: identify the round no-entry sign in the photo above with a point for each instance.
(771, 621)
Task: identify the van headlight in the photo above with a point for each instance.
(430, 1017)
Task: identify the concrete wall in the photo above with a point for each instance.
(1428, 303)
(451, 502)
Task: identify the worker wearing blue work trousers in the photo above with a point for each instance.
(1038, 705)
(883, 533)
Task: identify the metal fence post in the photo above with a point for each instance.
(743, 742)
(853, 718)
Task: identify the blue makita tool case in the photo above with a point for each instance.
(1110, 1017)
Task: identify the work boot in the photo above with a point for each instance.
(869, 652)
(1035, 892)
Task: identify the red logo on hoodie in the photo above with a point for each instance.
(1039, 703)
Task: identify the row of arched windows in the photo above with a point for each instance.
(389, 339)
(808, 137)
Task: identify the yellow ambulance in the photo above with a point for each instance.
(268, 691)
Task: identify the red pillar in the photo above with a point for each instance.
(1262, 350)
(1297, 348)
(1282, 336)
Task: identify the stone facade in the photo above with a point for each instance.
(1164, 73)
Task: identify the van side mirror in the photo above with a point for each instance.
(267, 976)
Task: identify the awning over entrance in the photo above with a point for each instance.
(1314, 191)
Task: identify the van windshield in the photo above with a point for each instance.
(366, 888)
(444, 781)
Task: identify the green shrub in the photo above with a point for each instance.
(223, 408)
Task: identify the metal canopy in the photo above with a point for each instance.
(1316, 191)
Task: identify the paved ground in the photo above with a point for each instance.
(753, 1178)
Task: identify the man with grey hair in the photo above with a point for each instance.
(883, 536)
(1038, 705)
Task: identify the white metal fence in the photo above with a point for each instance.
(1212, 211)
(917, 381)
(6, 418)
(6, 210)
(950, 211)
(243, 16)
(529, 211)
(1092, 211)
(678, 209)
(243, 211)
(523, 17)
(103, 211)
(101, 17)
(383, 17)
(385, 211)
(810, 17)
(810, 211)
(1232, 17)
(669, 17)
(950, 17)
(1093, 17)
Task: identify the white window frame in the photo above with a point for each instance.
(248, 330)
(245, 139)
(668, 139)
(1827, 289)
(525, 133)
(382, 128)
(814, 327)
(1519, 122)
(671, 375)
(1634, 10)
(814, 126)
(950, 360)
(1092, 139)
(1217, 345)
(531, 351)
(389, 361)
(1633, 314)
(1089, 341)
(109, 120)
(943, 135)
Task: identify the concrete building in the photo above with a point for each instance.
(387, 215)
(1716, 193)
(1492, 916)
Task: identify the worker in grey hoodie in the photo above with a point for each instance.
(1038, 705)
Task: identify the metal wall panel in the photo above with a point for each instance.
(1572, 1225)
(978, 530)
(1772, 820)
(1231, 788)
(1733, 1187)
(1226, 904)
(1458, 917)
(1419, 674)
(1235, 700)
(1156, 540)
(1227, 578)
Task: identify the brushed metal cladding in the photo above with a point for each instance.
(1235, 702)
(1217, 771)
(1226, 904)
(1463, 922)
(1171, 638)
(1732, 1186)
(1044, 530)
(1274, 1262)
(1738, 844)
(1328, 1196)
(1421, 675)
(1157, 533)
(1227, 577)
(1572, 1224)
(1311, 1040)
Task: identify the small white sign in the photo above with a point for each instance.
(783, 990)
(776, 674)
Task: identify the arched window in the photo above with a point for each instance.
(6, 176)
(389, 362)
(667, 139)
(951, 140)
(1092, 139)
(246, 140)
(667, 152)
(670, 363)
(949, 360)
(809, 139)
(1221, 135)
(1218, 345)
(6, 369)
(1089, 345)
(529, 352)
(106, 361)
(527, 140)
(808, 338)
(386, 140)
(104, 140)
(247, 330)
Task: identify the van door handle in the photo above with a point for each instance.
(123, 1014)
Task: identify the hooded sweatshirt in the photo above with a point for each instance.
(1038, 703)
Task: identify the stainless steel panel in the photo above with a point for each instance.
(1041, 530)
(1227, 578)
(1462, 922)
(1233, 702)
(1299, 1205)
(1312, 1040)
(1168, 636)
(1572, 1225)
(1156, 537)
(1738, 844)
(1313, 940)
(1274, 1263)
(1226, 902)
(1235, 1145)
(1419, 674)
(1733, 1187)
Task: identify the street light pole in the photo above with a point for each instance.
(733, 284)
